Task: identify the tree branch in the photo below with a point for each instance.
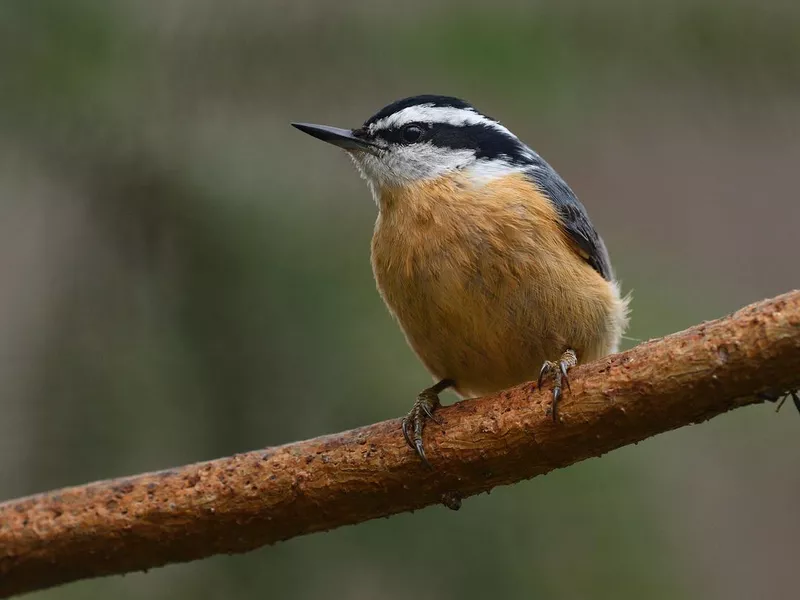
(242, 502)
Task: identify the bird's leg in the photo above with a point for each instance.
(559, 369)
(423, 409)
(773, 397)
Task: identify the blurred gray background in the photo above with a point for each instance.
(185, 276)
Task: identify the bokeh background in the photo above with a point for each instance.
(185, 276)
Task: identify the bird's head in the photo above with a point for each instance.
(426, 137)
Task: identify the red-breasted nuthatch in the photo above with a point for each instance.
(481, 251)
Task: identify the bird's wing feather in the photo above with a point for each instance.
(574, 218)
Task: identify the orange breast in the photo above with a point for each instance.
(485, 284)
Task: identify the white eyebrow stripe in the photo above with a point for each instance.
(447, 115)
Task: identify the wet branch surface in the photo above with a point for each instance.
(239, 503)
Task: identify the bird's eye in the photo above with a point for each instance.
(412, 133)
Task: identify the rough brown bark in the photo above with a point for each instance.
(239, 503)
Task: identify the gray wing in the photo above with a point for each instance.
(574, 217)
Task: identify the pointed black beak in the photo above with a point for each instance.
(344, 138)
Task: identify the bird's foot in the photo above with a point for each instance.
(559, 370)
(781, 398)
(423, 409)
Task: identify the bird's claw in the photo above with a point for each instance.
(781, 398)
(428, 410)
(421, 452)
(559, 370)
(414, 422)
(546, 368)
(405, 432)
(563, 367)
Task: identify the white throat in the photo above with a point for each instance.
(427, 164)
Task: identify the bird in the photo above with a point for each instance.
(481, 252)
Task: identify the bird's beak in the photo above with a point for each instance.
(344, 138)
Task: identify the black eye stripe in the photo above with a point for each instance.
(396, 135)
(389, 135)
(485, 140)
(412, 133)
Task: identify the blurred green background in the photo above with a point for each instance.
(184, 276)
